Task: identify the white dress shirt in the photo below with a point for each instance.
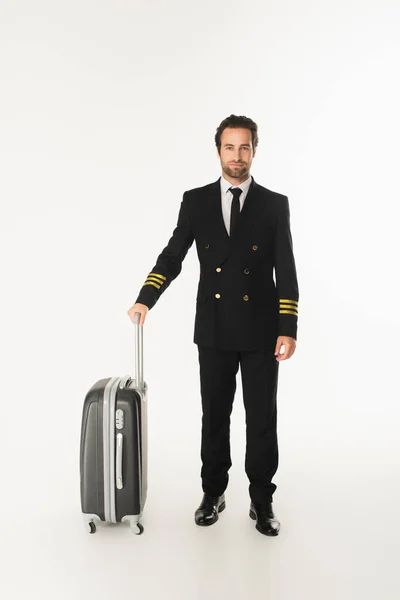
(227, 196)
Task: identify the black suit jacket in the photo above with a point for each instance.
(239, 306)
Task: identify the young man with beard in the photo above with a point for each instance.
(243, 317)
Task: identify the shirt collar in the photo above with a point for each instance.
(244, 186)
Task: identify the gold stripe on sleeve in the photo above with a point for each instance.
(291, 306)
(154, 279)
(152, 283)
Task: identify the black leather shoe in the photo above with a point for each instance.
(210, 506)
(266, 523)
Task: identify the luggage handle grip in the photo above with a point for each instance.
(118, 470)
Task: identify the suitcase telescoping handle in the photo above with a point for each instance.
(138, 350)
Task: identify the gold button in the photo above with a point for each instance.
(255, 247)
(207, 245)
(246, 271)
(245, 297)
(218, 269)
(218, 295)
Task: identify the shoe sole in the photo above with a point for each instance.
(207, 523)
(253, 516)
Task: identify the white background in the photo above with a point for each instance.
(108, 111)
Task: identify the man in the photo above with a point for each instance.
(242, 232)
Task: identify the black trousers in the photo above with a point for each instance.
(259, 373)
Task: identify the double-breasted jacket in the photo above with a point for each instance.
(239, 304)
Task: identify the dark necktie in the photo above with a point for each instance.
(235, 209)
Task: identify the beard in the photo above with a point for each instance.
(235, 171)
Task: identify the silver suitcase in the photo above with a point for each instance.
(113, 448)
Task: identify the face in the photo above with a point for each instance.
(236, 153)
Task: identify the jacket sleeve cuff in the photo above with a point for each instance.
(147, 296)
(288, 327)
(288, 315)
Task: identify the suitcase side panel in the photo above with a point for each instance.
(144, 429)
(91, 451)
(130, 499)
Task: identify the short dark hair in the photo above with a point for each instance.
(237, 121)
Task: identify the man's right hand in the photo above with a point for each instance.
(140, 308)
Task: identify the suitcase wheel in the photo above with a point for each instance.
(137, 528)
(90, 526)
